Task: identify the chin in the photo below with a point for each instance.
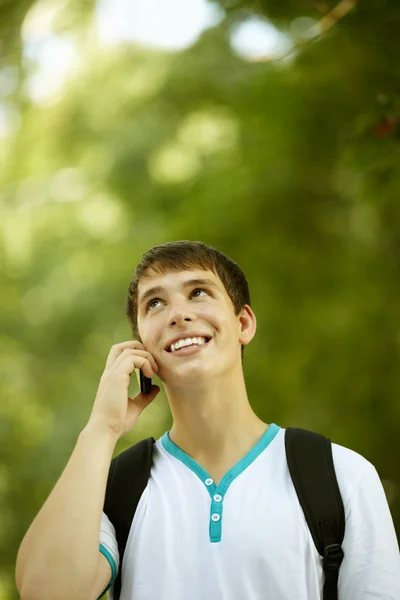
(188, 375)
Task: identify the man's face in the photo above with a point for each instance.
(191, 304)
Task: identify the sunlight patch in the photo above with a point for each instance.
(258, 40)
(173, 163)
(102, 217)
(210, 130)
(172, 25)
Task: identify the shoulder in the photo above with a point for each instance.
(353, 472)
(348, 461)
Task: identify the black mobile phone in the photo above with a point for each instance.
(145, 383)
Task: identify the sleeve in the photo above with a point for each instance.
(371, 564)
(109, 547)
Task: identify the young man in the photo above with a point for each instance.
(219, 517)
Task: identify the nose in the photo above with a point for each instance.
(179, 316)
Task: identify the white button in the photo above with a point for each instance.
(217, 498)
(215, 517)
(209, 481)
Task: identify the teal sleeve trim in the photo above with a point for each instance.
(113, 566)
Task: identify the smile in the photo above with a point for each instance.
(189, 349)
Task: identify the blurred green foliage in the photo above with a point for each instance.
(290, 166)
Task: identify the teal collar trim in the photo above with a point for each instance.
(217, 493)
(236, 470)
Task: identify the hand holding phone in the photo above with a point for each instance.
(113, 407)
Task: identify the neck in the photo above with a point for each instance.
(215, 424)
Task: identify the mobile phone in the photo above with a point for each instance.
(144, 382)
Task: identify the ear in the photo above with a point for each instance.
(248, 325)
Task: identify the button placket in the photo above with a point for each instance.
(216, 509)
(215, 522)
(216, 516)
(217, 495)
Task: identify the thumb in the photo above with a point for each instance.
(143, 400)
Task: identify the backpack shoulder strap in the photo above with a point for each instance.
(127, 478)
(310, 462)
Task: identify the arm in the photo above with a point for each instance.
(59, 556)
(371, 566)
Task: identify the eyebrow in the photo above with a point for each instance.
(190, 283)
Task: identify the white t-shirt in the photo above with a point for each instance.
(247, 538)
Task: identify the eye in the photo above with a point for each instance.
(198, 290)
(150, 305)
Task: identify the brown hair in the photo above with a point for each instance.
(187, 255)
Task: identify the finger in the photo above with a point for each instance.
(144, 399)
(117, 350)
(132, 362)
(139, 353)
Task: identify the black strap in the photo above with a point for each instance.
(127, 478)
(310, 462)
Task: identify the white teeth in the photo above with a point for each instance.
(199, 341)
